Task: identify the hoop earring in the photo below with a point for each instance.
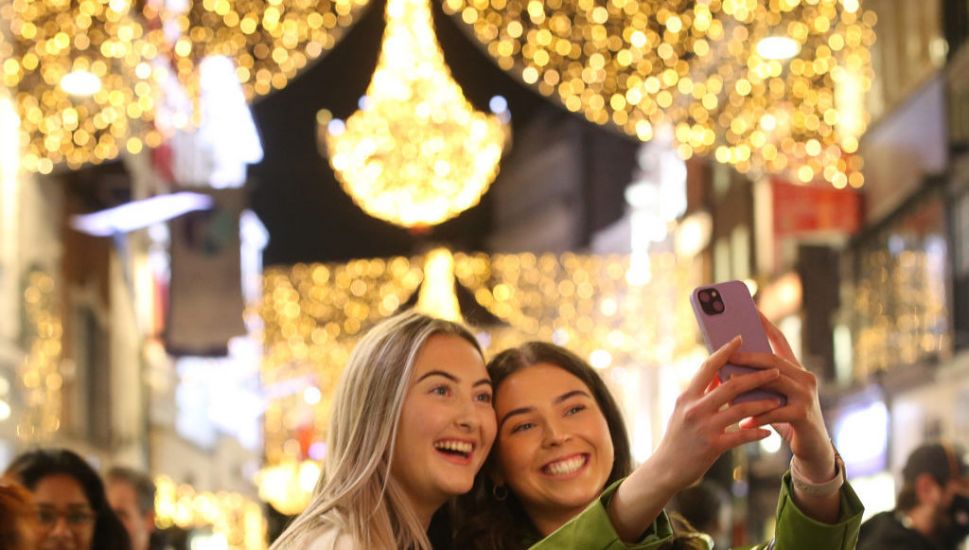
(500, 492)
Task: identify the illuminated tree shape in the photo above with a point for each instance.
(417, 153)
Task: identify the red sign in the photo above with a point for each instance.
(805, 209)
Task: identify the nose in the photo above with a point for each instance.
(60, 529)
(467, 417)
(554, 434)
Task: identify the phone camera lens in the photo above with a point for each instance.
(704, 296)
(718, 307)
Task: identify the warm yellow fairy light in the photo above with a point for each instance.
(72, 68)
(417, 153)
(437, 297)
(639, 64)
(40, 372)
(236, 518)
(270, 41)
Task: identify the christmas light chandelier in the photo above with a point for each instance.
(417, 152)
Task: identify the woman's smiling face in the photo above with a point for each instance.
(554, 449)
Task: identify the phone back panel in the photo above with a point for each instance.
(739, 316)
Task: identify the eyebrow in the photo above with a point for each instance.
(451, 377)
(524, 410)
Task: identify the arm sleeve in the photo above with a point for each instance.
(797, 531)
(593, 530)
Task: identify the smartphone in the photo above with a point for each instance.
(723, 311)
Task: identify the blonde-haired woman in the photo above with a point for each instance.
(412, 424)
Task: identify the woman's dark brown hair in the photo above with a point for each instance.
(480, 520)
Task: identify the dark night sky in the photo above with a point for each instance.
(295, 193)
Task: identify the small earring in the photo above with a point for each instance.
(500, 492)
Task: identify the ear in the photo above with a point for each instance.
(927, 489)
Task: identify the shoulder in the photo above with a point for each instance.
(884, 531)
(333, 538)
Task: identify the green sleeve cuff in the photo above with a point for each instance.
(795, 530)
(593, 530)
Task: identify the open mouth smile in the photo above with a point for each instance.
(456, 451)
(566, 467)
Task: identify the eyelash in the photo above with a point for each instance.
(575, 410)
(528, 425)
(444, 390)
(521, 427)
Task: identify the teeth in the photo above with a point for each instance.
(566, 466)
(457, 446)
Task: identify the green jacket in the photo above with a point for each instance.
(592, 530)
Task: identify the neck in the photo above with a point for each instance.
(424, 509)
(922, 520)
(548, 521)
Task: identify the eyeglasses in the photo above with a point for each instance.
(75, 518)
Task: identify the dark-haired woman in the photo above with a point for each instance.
(561, 468)
(72, 511)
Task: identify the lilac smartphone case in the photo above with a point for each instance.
(739, 316)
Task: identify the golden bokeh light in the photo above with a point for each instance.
(40, 372)
(417, 153)
(641, 64)
(270, 41)
(80, 78)
(232, 517)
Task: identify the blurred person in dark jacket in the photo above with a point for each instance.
(706, 506)
(932, 510)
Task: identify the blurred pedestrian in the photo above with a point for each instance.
(18, 521)
(932, 510)
(72, 511)
(132, 497)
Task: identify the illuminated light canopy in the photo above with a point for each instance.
(777, 47)
(640, 64)
(417, 152)
(79, 75)
(270, 41)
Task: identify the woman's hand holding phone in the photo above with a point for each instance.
(698, 430)
(696, 435)
(799, 421)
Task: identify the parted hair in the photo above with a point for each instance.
(356, 494)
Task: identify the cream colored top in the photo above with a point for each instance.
(334, 538)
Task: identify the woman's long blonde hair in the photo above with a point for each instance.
(356, 494)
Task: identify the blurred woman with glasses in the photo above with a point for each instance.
(72, 510)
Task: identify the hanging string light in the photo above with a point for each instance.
(40, 372)
(620, 62)
(270, 41)
(770, 86)
(417, 153)
(81, 80)
(792, 100)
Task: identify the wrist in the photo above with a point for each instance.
(815, 485)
